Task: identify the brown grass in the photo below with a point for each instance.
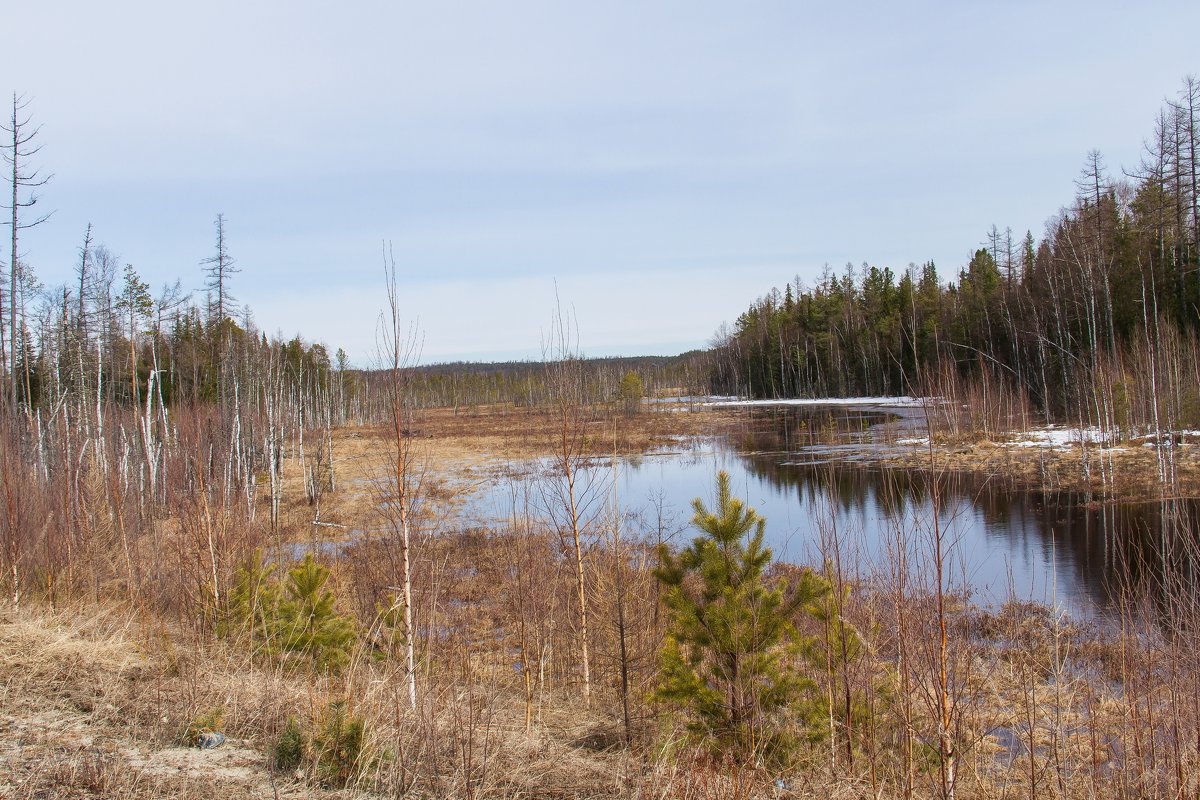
(94, 702)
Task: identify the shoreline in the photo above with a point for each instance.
(465, 448)
(1052, 458)
(1126, 472)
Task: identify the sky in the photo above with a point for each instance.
(649, 168)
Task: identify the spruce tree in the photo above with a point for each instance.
(728, 662)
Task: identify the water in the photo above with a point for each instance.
(797, 468)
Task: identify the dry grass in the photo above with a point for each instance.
(94, 700)
(93, 704)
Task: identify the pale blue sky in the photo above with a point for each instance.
(665, 163)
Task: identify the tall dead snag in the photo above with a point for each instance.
(572, 489)
(398, 350)
(17, 150)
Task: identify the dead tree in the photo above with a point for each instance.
(17, 151)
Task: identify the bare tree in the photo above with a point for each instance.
(572, 490)
(17, 151)
(28, 286)
(1186, 111)
(398, 350)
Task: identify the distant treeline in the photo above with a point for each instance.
(525, 383)
(1097, 319)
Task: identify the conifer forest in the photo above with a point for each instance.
(1093, 320)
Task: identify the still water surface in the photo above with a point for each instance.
(797, 467)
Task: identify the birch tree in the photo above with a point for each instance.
(572, 490)
(398, 350)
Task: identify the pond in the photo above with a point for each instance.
(804, 470)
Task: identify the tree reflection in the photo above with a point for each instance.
(1108, 553)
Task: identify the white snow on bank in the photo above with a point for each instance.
(1062, 438)
(699, 399)
(922, 441)
(894, 402)
(1169, 439)
(1059, 437)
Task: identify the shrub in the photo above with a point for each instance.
(290, 747)
(334, 745)
(338, 745)
(252, 608)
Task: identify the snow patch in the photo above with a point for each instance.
(1064, 438)
(918, 442)
(1059, 437)
(891, 402)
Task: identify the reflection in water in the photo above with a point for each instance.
(1064, 547)
(1068, 549)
